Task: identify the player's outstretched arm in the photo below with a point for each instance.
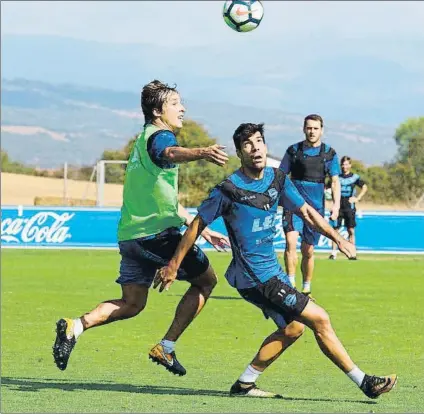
(312, 217)
(216, 239)
(166, 275)
(213, 154)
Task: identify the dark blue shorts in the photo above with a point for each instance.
(292, 222)
(277, 300)
(140, 258)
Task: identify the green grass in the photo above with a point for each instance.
(375, 305)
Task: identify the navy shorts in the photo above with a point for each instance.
(292, 222)
(277, 300)
(140, 258)
(346, 216)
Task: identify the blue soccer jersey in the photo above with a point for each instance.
(157, 144)
(249, 209)
(308, 167)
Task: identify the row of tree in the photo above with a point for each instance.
(400, 181)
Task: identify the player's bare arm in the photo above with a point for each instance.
(216, 239)
(213, 154)
(361, 194)
(336, 194)
(310, 215)
(167, 274)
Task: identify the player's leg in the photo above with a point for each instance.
(351, 224)
(196, 269)
(351, 233)
(336, 224)
(307, 266)
(317, 319)
(291, 231)
(274, 345)
(133, 301)
(135, 279)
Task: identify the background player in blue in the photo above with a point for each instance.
(248, 201)
(348, 184)
(308, 163)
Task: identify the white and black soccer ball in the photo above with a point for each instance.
(243, 15)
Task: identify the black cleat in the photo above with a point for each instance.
(373, 386)
(353, 258)
(64, 344)
(332, 257)
(169, 361)
(249, 389)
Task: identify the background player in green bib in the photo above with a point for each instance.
(149, 230)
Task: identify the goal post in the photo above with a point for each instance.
(101, 179)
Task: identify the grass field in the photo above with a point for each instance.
(375, 304)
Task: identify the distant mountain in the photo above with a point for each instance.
(358, 85)
(47, 124)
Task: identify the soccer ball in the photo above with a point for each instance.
(243, 15)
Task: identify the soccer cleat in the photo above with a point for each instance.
(373, 386)
(332, 257)
(169, 361)
(249, 389)
(353, 258)
(65, 342)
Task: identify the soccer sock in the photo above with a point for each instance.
(168, 346)
(250, 374)
(334, 253)
(356, 375)
(292, 280)
(307, 286)
(78, 328)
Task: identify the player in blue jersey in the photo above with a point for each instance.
(308, 163)
(248, 200)
(349, 198)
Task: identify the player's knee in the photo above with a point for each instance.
(133, 309)
(307, 251)
(207, 282)
(294, 330)
(322, 322)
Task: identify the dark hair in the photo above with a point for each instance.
(313, 117)
(345, 158)
(245, 131)
(154, 96)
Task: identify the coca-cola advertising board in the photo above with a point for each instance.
(380, 232)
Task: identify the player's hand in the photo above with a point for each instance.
(216, 155)
(217, 240)
(334, 214)
(165, 277)
(347, 248)
(353, 200)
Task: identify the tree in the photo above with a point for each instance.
(408, 172)
(405, 135)
(197, 178)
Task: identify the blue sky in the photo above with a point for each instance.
(199, 23)
(389, 29)
(305, 54)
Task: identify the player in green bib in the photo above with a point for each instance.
(149, 230)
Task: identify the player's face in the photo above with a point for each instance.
(253, 152)
(346, 166)
(173, 111)
(313, 131)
